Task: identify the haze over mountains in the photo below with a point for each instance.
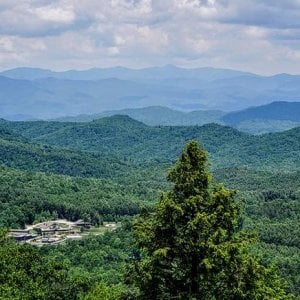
(273, 117)
(276, 116)
(156, 116)
(43, 94)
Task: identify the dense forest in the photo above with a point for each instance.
(114, 168)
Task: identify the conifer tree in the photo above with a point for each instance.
(190, 244)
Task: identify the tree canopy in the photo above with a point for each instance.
(192, 246)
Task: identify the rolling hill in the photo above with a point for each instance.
(19, 152)
(273, 117)
(104, 169)
(280, 110)
(127, 138)
(276, 116)
(156, 116)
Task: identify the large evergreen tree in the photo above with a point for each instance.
(191, 247)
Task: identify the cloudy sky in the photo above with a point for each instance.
(262, 36)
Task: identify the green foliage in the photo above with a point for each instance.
(19, 153)
(190, 245)
(101, 258)
(122, 163)
(274, 214)
(25, 274)
(134, 142)
(260, 126)
(105, 292)
(28, 197)
(287, 260)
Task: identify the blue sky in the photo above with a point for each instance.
(261, 36)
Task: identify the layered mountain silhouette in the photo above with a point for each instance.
(273, 117)
(44, 94)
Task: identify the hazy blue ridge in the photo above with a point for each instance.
(273, 117)
(44, 94)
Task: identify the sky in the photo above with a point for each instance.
(261, 36)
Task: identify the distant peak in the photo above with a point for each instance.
(119, 119)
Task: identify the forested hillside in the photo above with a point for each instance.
(27, 197)
(107, 169)
(280, 110)
(276, 116)
(149, 150)
(18, 152)
(127, 138)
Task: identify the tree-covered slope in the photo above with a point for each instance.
(35, 157)
(280, 110)
(129, 161)
(261, 126)
(19, 152)
(124, 137)
(27, 197)
(273, 117)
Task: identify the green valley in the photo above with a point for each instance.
(113, 168)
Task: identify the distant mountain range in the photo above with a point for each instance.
(154, 73)
(44, 94)
(156, 116)
(276, 116)
(273, 117)
(273, 111)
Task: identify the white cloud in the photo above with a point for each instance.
(256, 35)
(256, 32)
(55, 14)
(6, 44)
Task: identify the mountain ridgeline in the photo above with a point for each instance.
(276, 116)
(156, 116)
(124, 137)
(273, 117)
(44, 94)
